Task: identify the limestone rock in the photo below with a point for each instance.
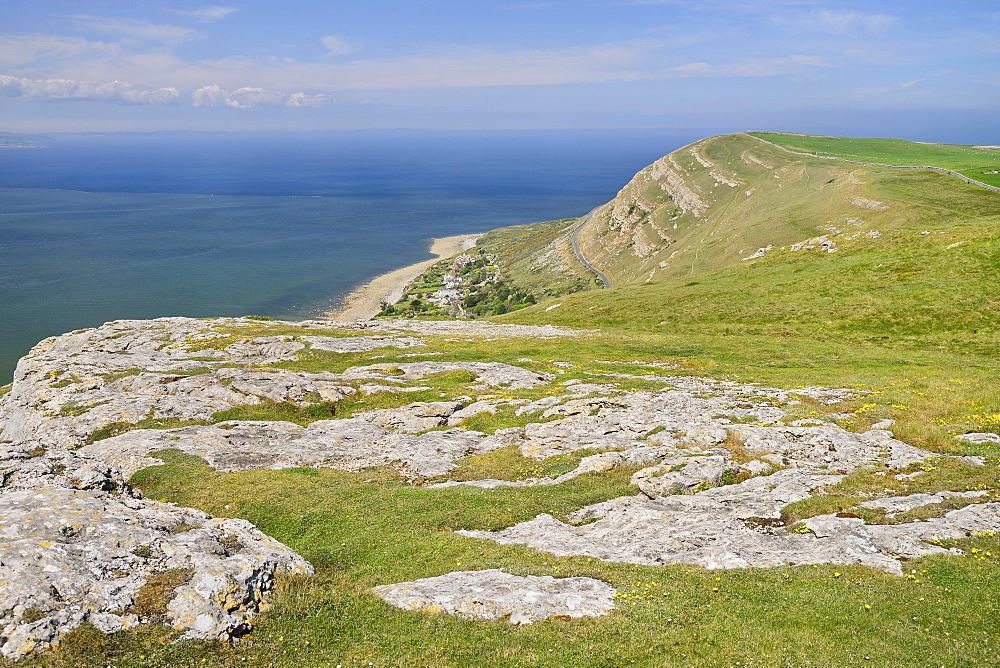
(349, 444)
(984, 437)
(894, 505)
(415, 417)
(69, 386)
(681, 474)
(355, 344)
(78, 544)
(738, 526)
(489, 374)
(493, 594)
(98, 542)
(68, 555)
(484, 406)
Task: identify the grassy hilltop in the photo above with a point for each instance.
(732, 259)
(794, 246)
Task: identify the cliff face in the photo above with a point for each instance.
(710, 205)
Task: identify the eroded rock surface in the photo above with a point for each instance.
(350, 445)
(70, 386)
(740, 525)
(77, 544)
(493, 594)
(488, 374)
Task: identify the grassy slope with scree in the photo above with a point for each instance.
(909, 316)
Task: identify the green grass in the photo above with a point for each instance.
(517, 249)
(507, 463)
(371, 528)
(117, 428)
(792, 198)
(968, 160)
(912, 318)
(927, 281)
(504, 418)
(362, 530)
(283, 411)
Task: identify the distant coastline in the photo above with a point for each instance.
(365, 302)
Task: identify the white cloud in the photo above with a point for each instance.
(452, 68)
(143, 56)
(24, 49)
(899, 86)
(251, 97)
(337, 46)
(846, 22)
(752, 6)
(69, 89)
(693, 68)
(135, 29)
(303, 100)
(206, 14)
(210, 96)
(790, 65)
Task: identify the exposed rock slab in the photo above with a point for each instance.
(683, 439)
(894, 505)
(77, 544)
(493, 594)
(69, 386)
(489, 374)
(984, 437)
(350, 444)
(731, 527)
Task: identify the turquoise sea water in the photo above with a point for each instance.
(100, 227)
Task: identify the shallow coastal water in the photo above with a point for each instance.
(102, 227)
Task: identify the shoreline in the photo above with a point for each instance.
(364, 302)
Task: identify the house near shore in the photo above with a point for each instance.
(446, 296)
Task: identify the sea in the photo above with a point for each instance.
(105, 226)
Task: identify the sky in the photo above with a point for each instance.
(861, 67)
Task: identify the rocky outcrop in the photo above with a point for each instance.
(714, 463)
(78, 545)
(738, 526)
(493, 594)
(68, 387)
(488, 374)
(350, 445)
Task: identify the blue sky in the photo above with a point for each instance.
(807, 65)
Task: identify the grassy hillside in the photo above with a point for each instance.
(711, 205)
(856, 254)
(539, 257)
(894, 289)
(977, 162)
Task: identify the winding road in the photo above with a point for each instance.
(579, 253)
(877, 164)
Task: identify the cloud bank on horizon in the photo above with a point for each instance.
(149, 65)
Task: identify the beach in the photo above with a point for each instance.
(365, 302)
